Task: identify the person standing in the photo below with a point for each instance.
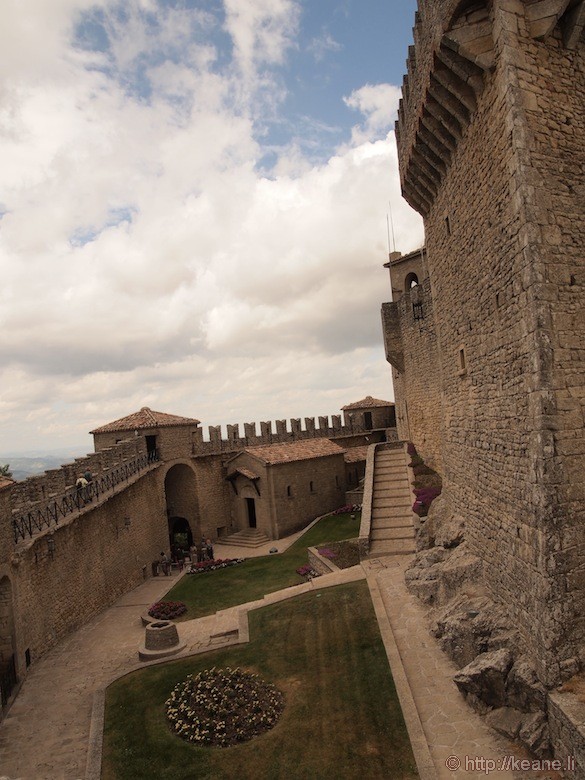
(81, 489)
(209, 549)
(165, 564)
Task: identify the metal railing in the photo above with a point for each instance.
(47, 515)
(8, 680)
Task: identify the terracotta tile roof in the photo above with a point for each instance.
(145, 418)
(356, 454)
(367, 403)
(245, 473)
(288, 452)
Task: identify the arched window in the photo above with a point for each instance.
(410, 282)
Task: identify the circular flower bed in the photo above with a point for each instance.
(222, 707)
(167, 610)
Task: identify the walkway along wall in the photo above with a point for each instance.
(62, 577)
(491, 140)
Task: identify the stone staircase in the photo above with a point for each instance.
(392, 531)
(249, 537)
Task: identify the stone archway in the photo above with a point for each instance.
(180, 533)
(7, 642)
(182, 505)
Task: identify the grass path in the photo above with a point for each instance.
(206, 593)
(342, 718)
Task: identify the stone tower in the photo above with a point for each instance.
(491, 141)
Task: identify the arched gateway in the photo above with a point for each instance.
(182, 506)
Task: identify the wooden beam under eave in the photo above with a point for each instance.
(573, 26)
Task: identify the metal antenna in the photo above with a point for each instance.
(392, 223)
(388, 231)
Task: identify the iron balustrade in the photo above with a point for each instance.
(8, 680)
(47, 515)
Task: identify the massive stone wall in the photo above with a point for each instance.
(96, 556)
(502, 197)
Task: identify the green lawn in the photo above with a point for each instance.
(342, 718)
(206, 593)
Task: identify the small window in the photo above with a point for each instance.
(410, 282)
(289, 491)
(462, 361)
(311, 487)
(336, 481)
(448, 225)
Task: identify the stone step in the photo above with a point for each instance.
(392, 522)
(249, 537)
(381, 534)
(392, 492)
(380, 502)
(394, 547)
(399, 475)
(391, 512)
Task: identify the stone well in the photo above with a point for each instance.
(161, 639)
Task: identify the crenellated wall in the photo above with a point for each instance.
(272, 433)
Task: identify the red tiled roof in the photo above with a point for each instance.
(288, 452)
(356, 454)
(145, 418)
(367, 403)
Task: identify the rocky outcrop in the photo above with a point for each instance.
(467, 627)
(440, 528)
(483, 681)
(476, 633)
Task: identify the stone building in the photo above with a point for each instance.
(486, 330)
(280, 488)
(372, 413)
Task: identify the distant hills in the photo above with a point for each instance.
(31, 464)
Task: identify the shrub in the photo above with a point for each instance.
(167, 610)
(347, 509)
(307, 571)
(218, 563)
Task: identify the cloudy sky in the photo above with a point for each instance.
(193, 207)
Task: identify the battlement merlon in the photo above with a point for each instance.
(279, 431)
(452, 56)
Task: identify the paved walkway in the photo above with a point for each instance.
(46, 734)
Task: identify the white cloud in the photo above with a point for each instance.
(146, 261)
(379, 105)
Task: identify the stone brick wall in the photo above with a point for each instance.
(327, 476)
(213, 496)
(95, 560)
(417, 378)
(504, 215)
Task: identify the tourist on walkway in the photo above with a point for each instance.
(81, 489)
(165, 564)
(209, 549)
